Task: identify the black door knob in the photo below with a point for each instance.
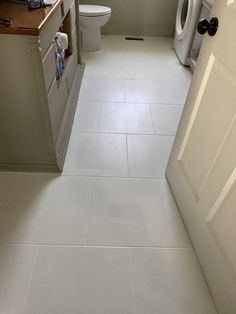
(210, 27)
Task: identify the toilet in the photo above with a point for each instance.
(91, 19)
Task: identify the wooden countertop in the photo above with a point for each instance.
(24, 21)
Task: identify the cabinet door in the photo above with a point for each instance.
(49, 68)
(73, 62)
(57, 103)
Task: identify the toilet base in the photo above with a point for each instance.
(91, 39)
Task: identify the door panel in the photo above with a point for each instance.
(219, 121)
(202, 166)
(221, 221)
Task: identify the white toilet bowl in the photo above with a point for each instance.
(92, 18)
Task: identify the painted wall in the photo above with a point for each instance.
(139, 17)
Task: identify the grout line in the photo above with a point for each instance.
(30, 279)
(122, 133)
(112, 176)
(89, 76)
(133, 281)
(61, 175)
(130, 102)
(90, 176)
(100, 246)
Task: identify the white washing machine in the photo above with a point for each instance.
(197, 42)
(187, 18)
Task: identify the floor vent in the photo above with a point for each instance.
(134, 38)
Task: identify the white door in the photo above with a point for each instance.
(202, 166)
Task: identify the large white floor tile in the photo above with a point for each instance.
(81, 280)
(133, 212)
(87, 116)
(16, 264)
(97, 154)
(156, 91)
(97, 63)
(148, 155)
(160, 65)
(102, 89)
(180, 92)
(153, 58)
(166, 118)
(130, 63)
(126, 118)
(169, 281)
(148, 91)
(175, 71)
(48, 209)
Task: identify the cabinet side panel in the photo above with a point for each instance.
(23, 136)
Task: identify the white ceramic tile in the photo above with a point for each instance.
(148, 155)
(48, 209)
(180, 92)
(97, 154)
(7, 181)
(97, 63)
(160, 65)
(126, 61)
(75, 280)
(102, 89)
(166, 118)
(154, 91)
(169, 281)
(132, 63)
(126, 118)
(133, 212)
(16, 264)
(176, 71)
(87, 116)
(148, 91)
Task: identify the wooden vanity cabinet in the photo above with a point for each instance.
(36, 110)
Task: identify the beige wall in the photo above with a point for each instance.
(139, 17)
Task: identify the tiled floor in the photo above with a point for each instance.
(106, 237)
